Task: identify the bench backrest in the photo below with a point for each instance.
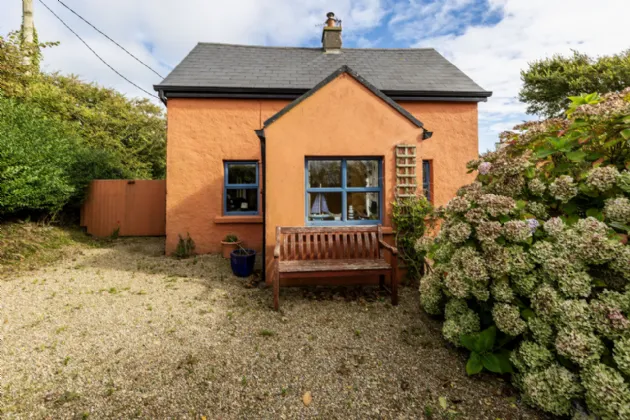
(322, 243)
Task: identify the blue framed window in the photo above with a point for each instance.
(241, 188)
(344, 191)
(427, 182)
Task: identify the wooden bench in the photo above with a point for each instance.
(305, 252)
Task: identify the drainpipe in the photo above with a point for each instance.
(263, 158)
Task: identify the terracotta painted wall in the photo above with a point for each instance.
(454, 143)
(202, 134)
(346, 119)
(342, 119)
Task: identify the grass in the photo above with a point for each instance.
(28, 245)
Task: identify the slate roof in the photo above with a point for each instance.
(218, 67)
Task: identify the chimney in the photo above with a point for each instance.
(331, 36)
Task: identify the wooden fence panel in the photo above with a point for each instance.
(137, 207)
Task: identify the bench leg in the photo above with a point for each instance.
(381, 281)
(394, 280)
(276, 292)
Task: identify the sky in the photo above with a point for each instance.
(490, 40)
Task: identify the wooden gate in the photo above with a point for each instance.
(136, 208)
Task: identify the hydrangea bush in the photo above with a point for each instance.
(538, 247)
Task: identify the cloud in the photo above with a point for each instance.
(490, 40)
(493, 55)
(162, 32)
(416, 19)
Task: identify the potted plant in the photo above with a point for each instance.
(242, 261)
(229, 244)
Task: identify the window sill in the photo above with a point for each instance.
(238, 219)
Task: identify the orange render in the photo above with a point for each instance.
(202, 134)
(341, 119)
(345, 119)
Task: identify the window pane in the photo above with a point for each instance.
(426, 178)
(324, 206)
(241, 173)
(324, 173)
(364, 206)
(245, 200)
(362, 173)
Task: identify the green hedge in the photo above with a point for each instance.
(44, 165)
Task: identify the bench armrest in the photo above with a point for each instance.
(388, 247)
(276, 250)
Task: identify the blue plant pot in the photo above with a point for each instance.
(243, 265)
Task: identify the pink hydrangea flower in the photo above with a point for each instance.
(484, 168)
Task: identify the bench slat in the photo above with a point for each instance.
(320, 229)
(309, 266)
(351, 254)
(359, 253)
(374, 248)
(368, 245)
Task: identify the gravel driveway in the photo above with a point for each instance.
(122, 331)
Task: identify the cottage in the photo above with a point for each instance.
(262, 137)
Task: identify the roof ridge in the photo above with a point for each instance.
(312, 48)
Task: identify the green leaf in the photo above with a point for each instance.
(611, 143)
(527, 313)
(625, 133)
(491, 362)
(576, 156)
(504, 361)
(486, 339)
(572, 219)
(543, 153)
(586, 190)
(474, 364)
(594, 156)
(471, 342)
(443, 402)
(595, 213)
(530, 172)
(620, 226)
(569, 208)
(520, 204)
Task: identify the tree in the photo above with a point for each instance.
(133, 130)
(15, 73)
(548, 83)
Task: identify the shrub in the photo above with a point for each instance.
(411, 216)
(230, 238)
(36, 154)
(185, 247)
(537, 248)
(44, 164)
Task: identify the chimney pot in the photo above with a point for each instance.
(331, 35)
(330, 22)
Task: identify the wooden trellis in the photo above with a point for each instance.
(406, 171)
